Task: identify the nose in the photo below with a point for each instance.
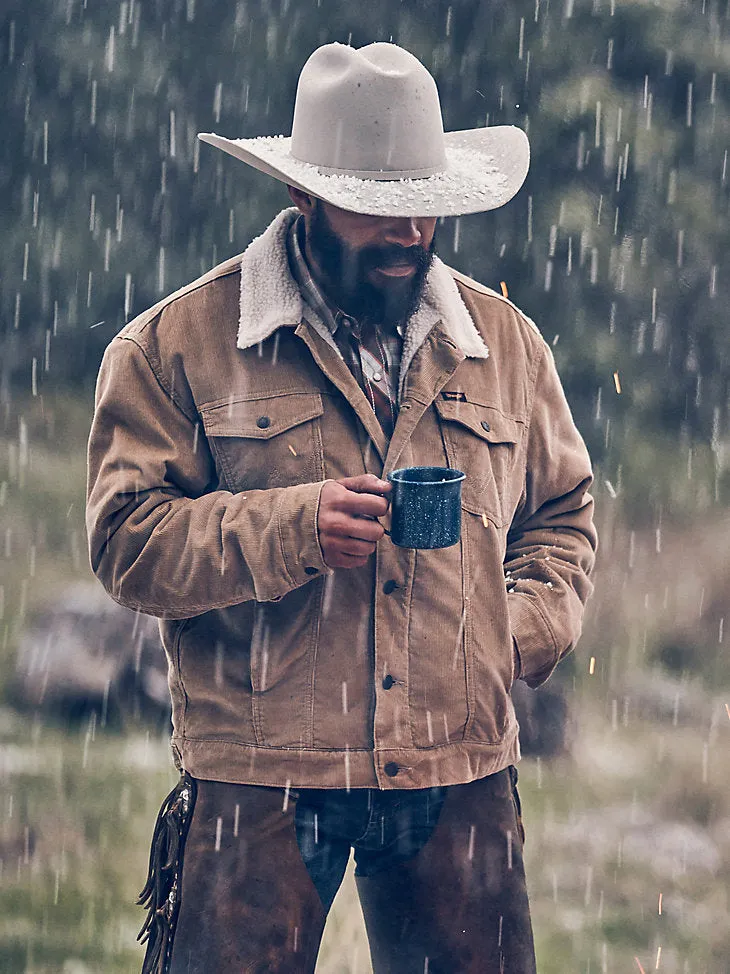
(404, 231)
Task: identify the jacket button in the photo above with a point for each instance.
(391, 769)
(390, 586)
(310, 570)
(486, 426)
(388, 682)
(263, 422)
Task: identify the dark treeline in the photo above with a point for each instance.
(617, 246)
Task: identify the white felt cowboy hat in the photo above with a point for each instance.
(368, 136)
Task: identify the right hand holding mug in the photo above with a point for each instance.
(348, 531)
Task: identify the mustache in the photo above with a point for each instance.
(392, 255)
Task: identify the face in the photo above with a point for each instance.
(373, 268)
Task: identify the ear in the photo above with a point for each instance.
(304, 201)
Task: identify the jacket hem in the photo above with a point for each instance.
(250, 764)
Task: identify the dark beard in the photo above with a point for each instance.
(344, 273)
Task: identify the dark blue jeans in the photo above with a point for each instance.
(382, 828)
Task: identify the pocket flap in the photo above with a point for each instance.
(262, 418)
(486, 422)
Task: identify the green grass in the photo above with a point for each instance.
(42, 494)
(595, 885)
(78, 806)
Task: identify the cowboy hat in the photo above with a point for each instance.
(368, 137)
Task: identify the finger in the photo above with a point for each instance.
(362, 505)
(364, 529)
(366, 483)
(369, 531)
(356, 548)
(336, 558)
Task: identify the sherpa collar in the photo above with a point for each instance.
(270, 298)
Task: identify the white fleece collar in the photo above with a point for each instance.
(270, 298)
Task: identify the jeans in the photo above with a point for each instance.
(382, 827)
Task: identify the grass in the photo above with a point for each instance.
(77, 808)
(618, 866)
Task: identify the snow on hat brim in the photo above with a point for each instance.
(485, 168)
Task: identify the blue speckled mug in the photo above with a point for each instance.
(425, 507)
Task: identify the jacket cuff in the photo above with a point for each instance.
(299, 535)
(533, 638)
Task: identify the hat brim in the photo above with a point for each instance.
(485, 168)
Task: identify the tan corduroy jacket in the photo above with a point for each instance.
(220, 413)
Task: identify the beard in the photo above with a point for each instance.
(345, 274)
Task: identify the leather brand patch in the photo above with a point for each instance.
(453, 395)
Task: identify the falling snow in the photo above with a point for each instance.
(616, 247)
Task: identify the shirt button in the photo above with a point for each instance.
(390, 586)
(263, 422)
(310, 570)
(388, 682)
(486, 426)
(391, 769)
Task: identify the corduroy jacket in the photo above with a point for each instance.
(220, 413)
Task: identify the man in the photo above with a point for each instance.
(332, 691)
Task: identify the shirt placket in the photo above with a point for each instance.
(376, 380)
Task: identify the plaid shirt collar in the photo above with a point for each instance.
(312, 294)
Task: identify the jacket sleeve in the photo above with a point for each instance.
(162, 538)
(552, 541)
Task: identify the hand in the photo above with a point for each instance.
(348, 531)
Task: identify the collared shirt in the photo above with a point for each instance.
(345, 329)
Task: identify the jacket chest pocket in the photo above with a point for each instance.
(482, 442)
(272, 441)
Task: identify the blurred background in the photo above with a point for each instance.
(618, 247)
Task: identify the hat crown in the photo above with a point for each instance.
(372, 111)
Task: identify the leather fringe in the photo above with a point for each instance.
(161, 894)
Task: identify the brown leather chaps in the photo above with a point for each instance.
(245, 899)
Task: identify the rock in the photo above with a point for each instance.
(672, 848)
(637, 836)
(655, 695)
(86, 653)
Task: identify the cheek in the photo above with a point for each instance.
(354, 240)
(362, 237)
(355, 230)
